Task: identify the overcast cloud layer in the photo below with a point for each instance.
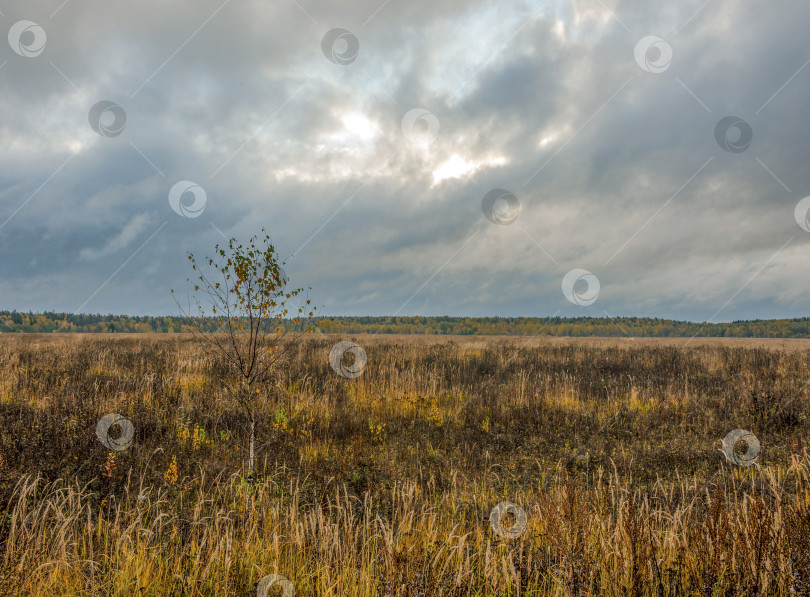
(613, 153)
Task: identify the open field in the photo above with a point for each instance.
(384, 484)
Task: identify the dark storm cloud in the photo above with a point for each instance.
(617, 170)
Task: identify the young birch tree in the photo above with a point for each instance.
(244, 289)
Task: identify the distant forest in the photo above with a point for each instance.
(13, 321)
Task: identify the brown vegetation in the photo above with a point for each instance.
(384, 484)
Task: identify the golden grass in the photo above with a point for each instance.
(611, 448)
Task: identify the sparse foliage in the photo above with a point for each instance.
(244, 288)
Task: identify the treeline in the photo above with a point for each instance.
(567, 326)
(49, 322)
(13, 321)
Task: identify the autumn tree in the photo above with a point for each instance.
(244, 289)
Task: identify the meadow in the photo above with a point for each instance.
(385, 484)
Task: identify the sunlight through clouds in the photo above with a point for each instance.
(458, 167)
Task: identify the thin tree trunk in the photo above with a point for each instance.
(252, 416)
(252, 437)
(249, 488)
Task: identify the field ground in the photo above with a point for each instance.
(385, 484)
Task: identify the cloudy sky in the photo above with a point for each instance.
(577, 157)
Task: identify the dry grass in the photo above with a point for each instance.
(383, 484)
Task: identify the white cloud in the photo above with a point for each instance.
(131, 231)
(459, 167)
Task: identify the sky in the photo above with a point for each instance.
(550, 158)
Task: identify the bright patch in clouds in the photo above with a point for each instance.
(552, 134)
(360, 126)
(457, 167)
(355, 136)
